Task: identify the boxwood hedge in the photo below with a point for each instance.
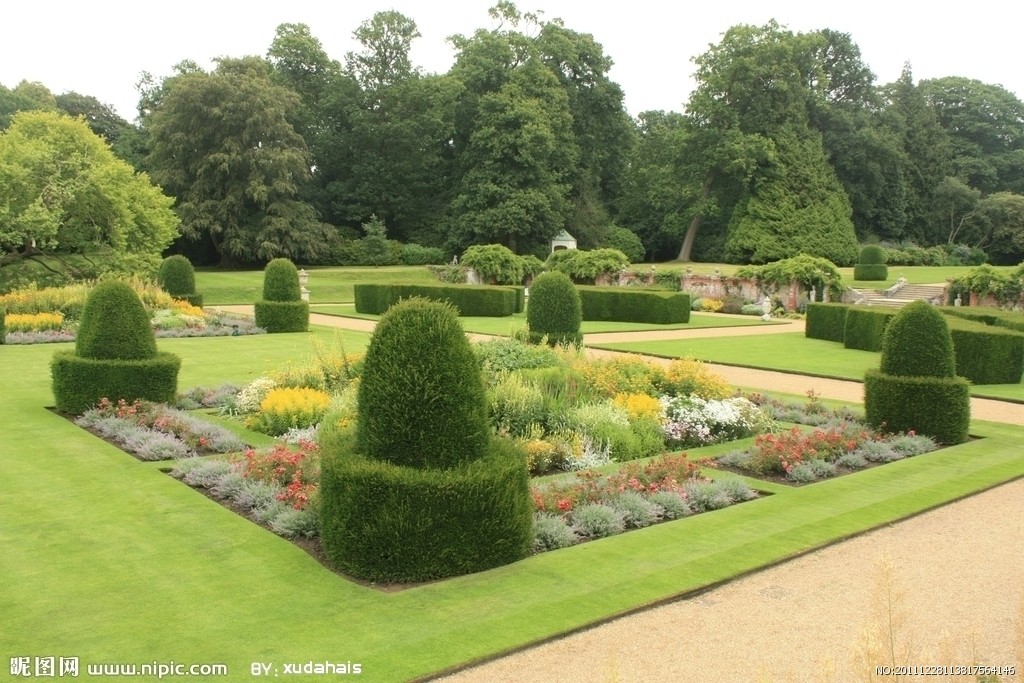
(469, 300)
(633, 305)
(826, 321)
(865, 326)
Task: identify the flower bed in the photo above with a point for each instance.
(153, 431)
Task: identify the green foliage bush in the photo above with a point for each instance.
(3, 326)
(495, 264)
(79, 383)
(625, 241)
(865, 327)
(115, 355)
(554, 310)
(826, 321)
(421, 398)
(282, 316)
(586, 266)
(114, 324)
(178, 278)
(281, 281)
(809, 271)
(917, 343)
(419, 489)
(870, 272)
(468, 300)
(634, 305)
(938, 407)
(388, 523)
(417, 255)
(872, 254)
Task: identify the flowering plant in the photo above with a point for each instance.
(694, 421)
(780, 453)
(295, 472)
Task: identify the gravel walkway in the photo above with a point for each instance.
(944, 588)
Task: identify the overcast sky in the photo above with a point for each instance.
(99, 48)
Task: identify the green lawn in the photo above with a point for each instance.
(110, 560)
(791, 352)
(327, 284)
(500, 326)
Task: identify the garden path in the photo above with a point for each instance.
(748, 378)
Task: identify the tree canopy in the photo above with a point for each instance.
(63, 191)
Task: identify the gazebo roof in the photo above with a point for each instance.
(563, 236)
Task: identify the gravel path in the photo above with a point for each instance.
(944, 588)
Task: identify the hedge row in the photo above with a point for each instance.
(870, 272)
(1010, 320)
(634, 306)
(282, 316)
(826, 321)
(470, 300)
(865, 327)
(986, 353)
(79, 383)
(936, 406)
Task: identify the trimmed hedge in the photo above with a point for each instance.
(1010, 320)
(282, 316)
(938, 407)
(468, 300)
(177, 277)
(870, 271)
(987, 354)
(555, 311)
(635, 306)
(3, 326)
(865, 327)
(917, 343)
(384, 522)
(114, 324)
(421, 396)
(79, 383)
(872, 254)
(281, 281)
(826, 321)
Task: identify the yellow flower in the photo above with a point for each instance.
(33, 322)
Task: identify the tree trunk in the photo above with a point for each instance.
(691, 231)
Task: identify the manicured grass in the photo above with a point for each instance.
(110, 560)
(788, 353)
(501, 326)
(326, 284)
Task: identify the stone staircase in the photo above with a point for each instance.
(899, 296)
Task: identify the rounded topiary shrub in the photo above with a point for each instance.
(421, 397)
(383, 522)
(114, 324)
(917, 343)
(281, 281)
(418, 489)
(282, 308)
(177, 277)
(115, 355)
(870, 265)
(916, 387)
(554, 310)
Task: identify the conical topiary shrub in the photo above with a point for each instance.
(177, 277)
(554, 310)
(115, 355)
(916, 387)
(871, 264)
(419, 489)
(282, 308)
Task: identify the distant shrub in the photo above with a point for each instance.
(178, 278)
(468, 300)
(625, 241)
(554, 310)
(417, 255)
(586, 266)
(494, 263)
(281, 281)
(282, 308)
(634, 305)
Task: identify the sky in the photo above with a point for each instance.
(101, 47)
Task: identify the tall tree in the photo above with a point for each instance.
(926, 151)
(62, 191)
(796, 205)
(985, 125)
(224, 145)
